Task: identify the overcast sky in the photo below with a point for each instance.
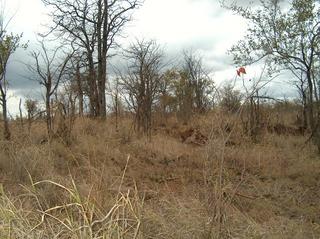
(176, 24)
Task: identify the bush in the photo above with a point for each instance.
(230, 99)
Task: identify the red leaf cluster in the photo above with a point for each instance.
(241, 70)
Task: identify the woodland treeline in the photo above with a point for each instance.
(77, 79)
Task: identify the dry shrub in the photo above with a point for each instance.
(78, 217)
(38, 133)
(19, 162)
(174, 217)
(163, 146)
(62, 157)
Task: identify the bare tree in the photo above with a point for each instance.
(79, 87)
(167, 102)
(9, 43)
(76, 85)
(183, 92)
(230, 99)
(301, 85)
(201, 86)
(142, 81)
(68, 96)
(92, 26)
(49, 72)
(116, 102)
(190, 88)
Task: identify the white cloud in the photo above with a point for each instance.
(185, 21)
(29, 17)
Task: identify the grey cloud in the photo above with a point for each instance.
(219, 63)
(17, 73)
(205, 47)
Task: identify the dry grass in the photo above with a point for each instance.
(77, 217)
(231, 187)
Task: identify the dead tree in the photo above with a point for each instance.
(183, 91)
(76, 86)
(166, 98)
(142, 80)
(79, 87)
(20, 113)
(116, 103)
(92, 26)
(201, 86)
(49, 72)
(301, 85)
(67, 96)
(8, 45)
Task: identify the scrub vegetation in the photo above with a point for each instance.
(156, 149)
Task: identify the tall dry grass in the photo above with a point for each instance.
(232, 187)
(29, 216)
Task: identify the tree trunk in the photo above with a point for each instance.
(6, 133)
(80, 90)
(304, 110)
(310, 103)
(93, 93)
(102, 87)
(29, 122)
(81, 105)
(48, 115)
(103, 30)
(20, 111)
